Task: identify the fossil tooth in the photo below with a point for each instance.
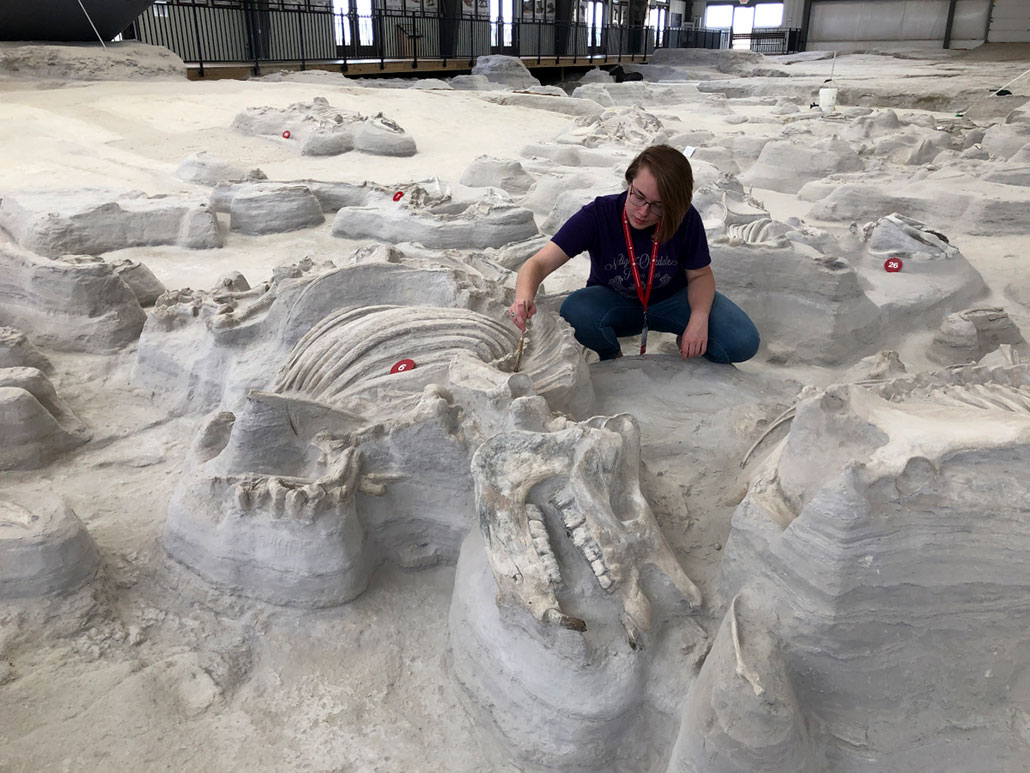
(573, 517)
(259, 492)
(242, 496)
(551, 569)
(295, 502)
(336, 496)
(315, 493)
(580, 537)
(277, 491)
(557, 617)
(562, 500)
(633, 635)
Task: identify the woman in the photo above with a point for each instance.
(649, 269)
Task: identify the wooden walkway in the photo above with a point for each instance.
(363, 68)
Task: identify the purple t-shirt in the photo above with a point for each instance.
(597, 229)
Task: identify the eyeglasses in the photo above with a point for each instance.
(654, 207)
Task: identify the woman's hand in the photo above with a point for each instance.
(527, 282)
(520, 312)
(694, 340)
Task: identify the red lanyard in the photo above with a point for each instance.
(642, 294)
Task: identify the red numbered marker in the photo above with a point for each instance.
(398, 195)
(286, 134)
(892, 265)
(402, 365)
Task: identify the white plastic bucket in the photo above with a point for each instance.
(827, 99)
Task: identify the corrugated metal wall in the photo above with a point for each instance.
(844, 24)
(793, 13)
(970, 23)
(864, 22)
(1010, 22)
(856, 24)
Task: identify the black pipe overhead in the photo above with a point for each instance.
(950, 23)
(66, 20)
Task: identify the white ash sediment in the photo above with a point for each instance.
(608, 609)
(972, 334)
(72, 303)
(17, 351)
(93, 221)
(911, 466)
(322, 130)
(487, 171)
(37, 424)
(44, 548)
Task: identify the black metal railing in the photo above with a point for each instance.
(235, 31)
(697, 37)
(781, 40)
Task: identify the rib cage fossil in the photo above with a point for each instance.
(756, 232)
(1002, 388)
(355, 348)
(349, 354)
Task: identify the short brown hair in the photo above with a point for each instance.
(675, 181)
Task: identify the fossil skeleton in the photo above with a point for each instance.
(600, 506)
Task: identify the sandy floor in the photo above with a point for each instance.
(151, 669)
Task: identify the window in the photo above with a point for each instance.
(719, 16)
(743, 23)
(769, 14)
(342, 22)
(620, 14)
(656, 20)
(364, 8)
(340, 10)
(595, 19)
(501, 12)
(742, 19)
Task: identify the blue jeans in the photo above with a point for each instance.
(600, 316)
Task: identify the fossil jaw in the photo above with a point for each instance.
(600, 505)
(299, 498)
